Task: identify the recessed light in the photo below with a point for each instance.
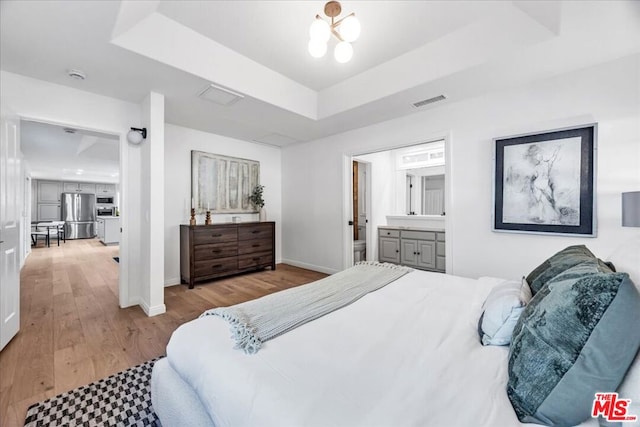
(79, 172)
(77, 74)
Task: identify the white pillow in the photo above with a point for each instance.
(501, 311)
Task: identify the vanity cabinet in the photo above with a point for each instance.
(389, 246)
(418, 248)
(217, 250)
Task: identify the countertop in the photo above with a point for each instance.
(108, 217)
(399, 227)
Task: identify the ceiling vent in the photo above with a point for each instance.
(220, 95)
(69, 130)
(429, 101)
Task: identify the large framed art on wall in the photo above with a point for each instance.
(222, 184)
(544, 182)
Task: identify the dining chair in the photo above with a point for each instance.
(38, 231)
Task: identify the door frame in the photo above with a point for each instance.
(123, 264)
(347, 197)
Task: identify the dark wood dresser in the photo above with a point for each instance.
(217, 250)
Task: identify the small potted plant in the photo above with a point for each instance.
(257, 201)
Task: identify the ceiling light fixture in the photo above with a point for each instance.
(346, 30)
(136, 135)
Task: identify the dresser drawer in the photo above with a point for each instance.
(215, 250)
(419, 235)
(255, 231)
(215, 266)
(385, 232)
(254, 246)
(255, 260)
(214, 235)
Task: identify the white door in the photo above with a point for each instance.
(10, 206)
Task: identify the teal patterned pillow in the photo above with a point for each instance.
(577, 336)
(558, 263)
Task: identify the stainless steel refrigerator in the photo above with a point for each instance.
(79, 215)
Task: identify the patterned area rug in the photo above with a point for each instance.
(123, 399)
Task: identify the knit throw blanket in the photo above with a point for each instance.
(254, 322)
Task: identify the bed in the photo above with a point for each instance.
(407, 354)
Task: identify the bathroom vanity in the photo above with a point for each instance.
(421, 248)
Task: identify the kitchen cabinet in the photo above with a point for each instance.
(414, 247)
(79, 187)
(105, 189)
(48, 212)
(49, 191)
(108, 230)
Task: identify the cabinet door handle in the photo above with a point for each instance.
(418, 253)
(397, 251)
(415, 253)
(388, 233)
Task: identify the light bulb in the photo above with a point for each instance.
(317, 48)
(343, 52)
(350, 29)
(319, 30)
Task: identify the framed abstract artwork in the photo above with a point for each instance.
(544, 182)
(222, 184)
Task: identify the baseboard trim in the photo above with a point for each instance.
(153, 311)
(310, 266)
(171, 282)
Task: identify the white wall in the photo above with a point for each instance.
(313, 180)
(50, 103)
(179, 141)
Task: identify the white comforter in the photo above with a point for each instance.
(406, 355)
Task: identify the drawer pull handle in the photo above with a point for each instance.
(256, 231)
(256, 259)
(216, 266)
(215, 251)
(388, 233)
(255, 245)
(216, 235)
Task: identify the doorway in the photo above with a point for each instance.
(407, 186)
(75, 177)
(361, 190)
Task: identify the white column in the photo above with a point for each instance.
(152, 205)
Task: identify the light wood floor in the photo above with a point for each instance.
(73, 333)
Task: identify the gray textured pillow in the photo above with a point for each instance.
(577, 336)
(556, 264)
